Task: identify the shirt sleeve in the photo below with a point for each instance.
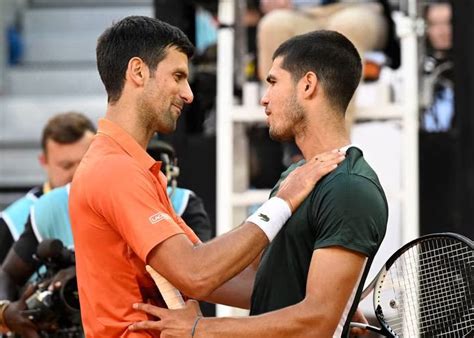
(351, 213)
(126, 196)
(27, 244)
(6, 239)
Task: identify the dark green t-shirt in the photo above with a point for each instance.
(347, 208)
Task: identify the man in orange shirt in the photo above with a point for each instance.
(122, 218)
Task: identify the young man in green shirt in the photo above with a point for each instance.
(308, 281)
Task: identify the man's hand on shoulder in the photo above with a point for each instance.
(301, 181)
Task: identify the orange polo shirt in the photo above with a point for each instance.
(119, 212)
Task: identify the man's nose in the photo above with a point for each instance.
(187, 94)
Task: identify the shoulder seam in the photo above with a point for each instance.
(34, 225)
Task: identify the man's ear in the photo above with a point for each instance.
(42, 159)
(137, 71)
(309, 83)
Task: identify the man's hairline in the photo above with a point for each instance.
(50, 138)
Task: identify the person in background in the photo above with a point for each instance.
(64, 140)
(48, 219)
(438, 76)
(439, 130)
(439, 33)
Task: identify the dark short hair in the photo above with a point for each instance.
(66, 128)
(331, 56)
(135, 36)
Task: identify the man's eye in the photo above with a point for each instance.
(67, 166)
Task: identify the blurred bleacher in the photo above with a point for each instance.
(56, 72)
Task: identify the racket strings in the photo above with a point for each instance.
(444, 298)
(429, 290)
(445, 295)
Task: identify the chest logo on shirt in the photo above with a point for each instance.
(264, 217)
(158, 217)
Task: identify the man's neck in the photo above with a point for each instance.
(319, 140)
(126, 118)
(324, 130)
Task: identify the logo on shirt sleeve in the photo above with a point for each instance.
(158, 217)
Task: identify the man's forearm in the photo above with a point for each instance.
(14, 273)
(334, 273)
(8, 289)
(205, 267)
(237, 292)
(300, 320)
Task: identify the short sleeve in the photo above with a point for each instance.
(351, 213)
(127, 197)
(50, 217)
(27, 244)
(6, 239)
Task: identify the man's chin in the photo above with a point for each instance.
(167, 129)
(279, 137)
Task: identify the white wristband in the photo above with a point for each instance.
(271, 216)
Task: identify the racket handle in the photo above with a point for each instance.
(367, 327)
(171, 295)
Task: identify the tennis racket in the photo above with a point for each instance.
(171, 295)
(426, 289)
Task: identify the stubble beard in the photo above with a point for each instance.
(294, 119)
(155, 119)
(166, 122)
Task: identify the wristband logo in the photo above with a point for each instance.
(264, 217)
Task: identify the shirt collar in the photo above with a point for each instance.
(127, 142)
(46, 187)
(352, 145)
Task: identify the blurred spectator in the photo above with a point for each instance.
(438, 87)
(439, 142)
(368, 24)
(65, 139)
(206, 30)
(439, 30)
